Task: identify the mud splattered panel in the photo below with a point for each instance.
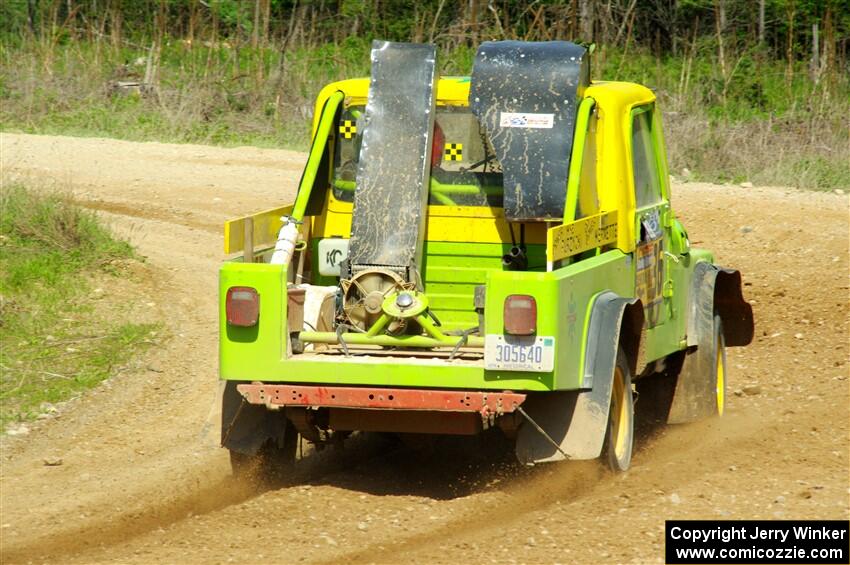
(388, 224)
(526, 96)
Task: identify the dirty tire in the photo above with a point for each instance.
(619, 437)
(719, 367)
(270, 462)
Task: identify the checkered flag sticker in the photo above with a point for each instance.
(348, 129)
(453, 152)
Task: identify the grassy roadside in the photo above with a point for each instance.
(753, 123)
(57, 338)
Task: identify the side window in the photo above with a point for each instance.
(588, 197)
(347, 152)
(644, 161)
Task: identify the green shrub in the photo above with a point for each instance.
(55, 342)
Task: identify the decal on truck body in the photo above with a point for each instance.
(582, 235)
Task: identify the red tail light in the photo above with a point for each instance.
(520, 314)
(438, 145)
(242, 306)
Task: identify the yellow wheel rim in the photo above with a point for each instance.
(720, 390)
(619, 411)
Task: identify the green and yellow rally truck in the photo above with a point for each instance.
(471, 253)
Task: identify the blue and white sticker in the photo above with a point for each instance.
(652, 224)
(523, 120)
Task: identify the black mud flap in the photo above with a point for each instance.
(388, 220)
(577, 420)
(526, 96)
(734, 310)
(714, 290)
(245, 427)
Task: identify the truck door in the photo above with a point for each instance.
(652, 209)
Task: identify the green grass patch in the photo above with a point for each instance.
(755, 121)
(56, 339)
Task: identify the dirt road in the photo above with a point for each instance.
(141, 481)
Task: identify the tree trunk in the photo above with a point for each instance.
(255, 28)
(815, 54)
(473, 21)
(761, 22)
(70, 19)
(418, 25)
(497, 20)
(115, 24)
(789, 50)
(54, 16)
(828, 52)
(31, 14)
(264, 30)
(435, 20)
(574, 22)
(719, 20)
(586, 18)
(625, 21)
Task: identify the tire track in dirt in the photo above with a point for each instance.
(148, 213)
(139, 486)
(117, 530)
(221, 493)
(550, 486)
(564, 481)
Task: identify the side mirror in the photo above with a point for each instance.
(679, 242)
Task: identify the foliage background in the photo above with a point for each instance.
(752, 90)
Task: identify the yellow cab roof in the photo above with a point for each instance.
(612, 96)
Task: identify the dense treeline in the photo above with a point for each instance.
(786, 29)
(770, 75)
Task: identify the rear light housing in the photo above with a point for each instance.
(438, 145)
(520, 314)
(242, 306)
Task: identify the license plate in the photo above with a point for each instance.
(519, 353)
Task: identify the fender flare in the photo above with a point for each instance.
(577, 420)
(714, 289)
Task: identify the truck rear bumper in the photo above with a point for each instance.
(280, 395)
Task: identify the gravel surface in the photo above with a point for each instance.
(131, 472)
